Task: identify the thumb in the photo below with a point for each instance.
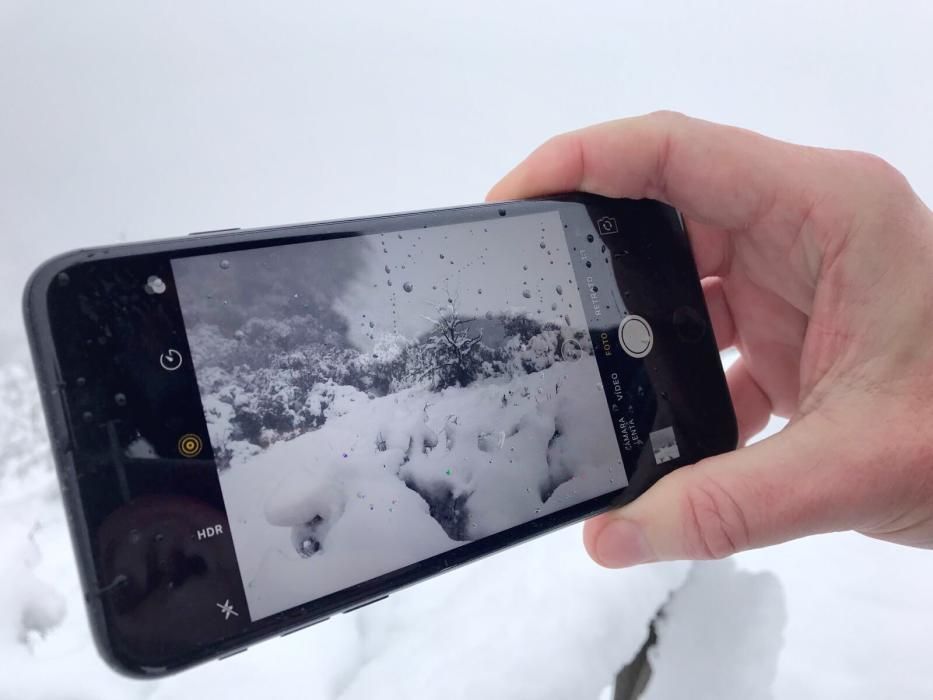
(778, 489)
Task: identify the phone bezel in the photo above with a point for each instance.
(51, 387)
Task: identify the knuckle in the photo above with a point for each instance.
(880, 172)
(668, 117)
(714, 524)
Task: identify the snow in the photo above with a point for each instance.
(720, 634)
(143, 120)
(330, 508)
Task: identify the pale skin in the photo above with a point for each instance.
(817, 266)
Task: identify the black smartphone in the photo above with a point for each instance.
(256, 430)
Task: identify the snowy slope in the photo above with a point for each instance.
(369, 506)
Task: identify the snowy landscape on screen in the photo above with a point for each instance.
(377, 400)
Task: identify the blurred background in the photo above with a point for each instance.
(122, 121)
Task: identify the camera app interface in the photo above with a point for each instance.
(376, 400)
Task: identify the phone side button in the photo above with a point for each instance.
(214, 230)
(232, 653)
(304, 627)
(363, 605)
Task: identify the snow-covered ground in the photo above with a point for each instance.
(123, 121)
(367, 520)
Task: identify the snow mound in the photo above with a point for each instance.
(389, 481)
(720, 636)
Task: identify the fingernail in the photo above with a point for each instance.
(622, 543)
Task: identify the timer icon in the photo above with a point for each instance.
(170, 360)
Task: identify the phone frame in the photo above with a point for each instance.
(52, 387)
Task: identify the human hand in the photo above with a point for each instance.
(817, 267)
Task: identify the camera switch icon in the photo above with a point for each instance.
(607, 225)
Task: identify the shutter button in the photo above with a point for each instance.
(635, 336)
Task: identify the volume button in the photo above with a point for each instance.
(215, 230)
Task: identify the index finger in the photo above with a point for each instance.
(716, 175)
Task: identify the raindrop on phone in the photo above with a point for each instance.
(553, 307)
(589, 237)
(224, 264)
(63, 279)
(559, 289)
(526, 294)
(502, 212)
(442, 256)
(542, 245)
(389, 282)
(80, 381)
(407, 286)
(387, 270)
(119, 399)
(589, 264)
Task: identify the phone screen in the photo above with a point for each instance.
(375, 400)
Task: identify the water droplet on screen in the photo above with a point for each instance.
(224, 264)
(80, 381)
(387, 269)
(372, 325)
(489, 315)
(442, 256)
(542, 245)
(559, 289)
(589, 264)
(594, 289)
(526, 294)
(524, 267)
(502, 212)
(407, 286)
(389, 282)
(119, 399)
(479, 291)
(589, 237)
(87, 416)
(553, 307)
(63, 279)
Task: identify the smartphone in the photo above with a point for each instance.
(256, 430)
